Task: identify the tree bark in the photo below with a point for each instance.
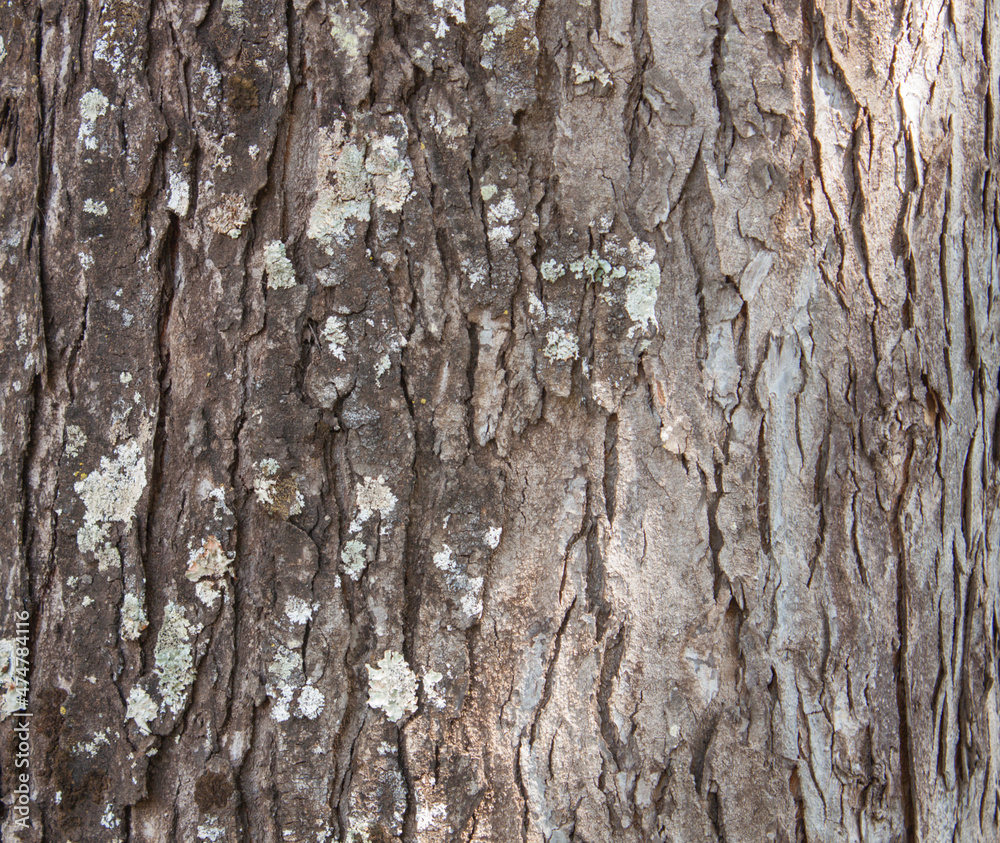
(533, 421)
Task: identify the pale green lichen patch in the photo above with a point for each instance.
(133, 620)
(98, 209)
(350, 29)
(174, 655)
(141, 709)
(552, 270)
(334, 334)
(280, 271)
(641, 273)
(351, 175)
(643, 285)
(110, 494)
(211, 833)
(430, 682)
(354, 555)
(392, 686)
(501, 22)
(284, 678)
(562, 346)
(93, 105)
(233, 10)
(373, 495)
(75, 440)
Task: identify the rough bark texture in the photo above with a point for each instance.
(495, 422)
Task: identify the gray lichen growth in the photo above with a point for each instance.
(133, 620)
(392, 686)
(355, 557)
(562, 345)
(141, 709)
(174, 655)
(351, 175)
(110, 494)
(280, 271)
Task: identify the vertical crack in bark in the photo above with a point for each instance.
(727, 132)
(907, 769)
(763, 491)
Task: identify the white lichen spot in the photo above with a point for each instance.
(643, 284)
(471, 601)
(373, 496)
(179, 197)
(382, 366)
(284, 677)
(3, 49)
(444, 560)
(93, 105)
(311, 702)
(500, 23)
(108, 819)
(86, 261)
(562, 345)
(428, 815)
(207, 593)
(209, 560)
(233, 10)
(280, 271)
(434, 696)
(354, 556)
(488, 191)
(492, 538)
(75, 440)
(392, 686)
(334, 334)
(582, 75)
(451, 8)
(133, 620)
(552, 270)
(110, 494)
(174, 655)
(98, 209)
(92, 746)
(298, 611)
(390, 169)
(230, 215)
(503, 211)
(347, 35)
(141, 709)
(211, 833)
(125, 378)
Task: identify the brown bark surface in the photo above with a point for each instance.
(518, 421)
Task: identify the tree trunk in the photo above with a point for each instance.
(536, 421)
